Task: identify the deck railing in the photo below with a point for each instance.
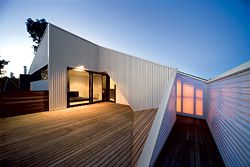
(20, 103)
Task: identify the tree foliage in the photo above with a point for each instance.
(36, 30)
(2, 64)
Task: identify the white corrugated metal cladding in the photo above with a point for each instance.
(145, 85)
(167, 123)
(141, 82)
(66, 50)
(229, 115)
(162, 125)
(42, 54)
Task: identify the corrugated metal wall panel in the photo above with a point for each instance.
(167, 124)
(162, 125)
(229, 117)
(196, 83)
(41, 56)
(66, 50)
(141, 82)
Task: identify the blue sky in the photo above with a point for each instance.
(201, 37)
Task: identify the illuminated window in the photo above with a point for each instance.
(188, 99)
(186, 102)
(188, 90)
(178, 88)
(178, 108)
(199, 103)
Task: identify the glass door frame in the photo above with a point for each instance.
(105, 94)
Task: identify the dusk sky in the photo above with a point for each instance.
(201, 37)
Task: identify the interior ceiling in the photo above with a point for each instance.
(79, 73)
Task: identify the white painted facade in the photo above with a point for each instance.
(143, 85)
(161, 127)
(42, 54)
(229, 115)
(139, 81)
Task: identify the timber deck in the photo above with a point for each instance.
(190, 144)
(103, 134)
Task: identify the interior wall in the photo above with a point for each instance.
(79, 81)
(97, 87)
(229, 116)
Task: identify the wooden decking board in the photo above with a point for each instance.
(96, 135)
(73, 145)
(125, 152)
(143, 120)
(76, 116)
(87, 153)
(142, 130)
(112, 151)
(45, 129)
(142, 124)
(101, 152)
(69, 154)
(138, 144)
(48, 118)
(68, 135)
(96, 152)
(190, 143)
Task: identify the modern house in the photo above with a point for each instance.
(78, 72)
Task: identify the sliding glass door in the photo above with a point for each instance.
(85, 87)
(78, 87)
(112, 90)
(97, 87)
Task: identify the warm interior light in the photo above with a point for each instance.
(79, 68)
(178, 108)
(178, 88)
(188, 90)
(188, 99)
(199, 103)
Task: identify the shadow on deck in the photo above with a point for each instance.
(189, 144)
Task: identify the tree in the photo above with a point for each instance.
(2, 64)
(36, 30)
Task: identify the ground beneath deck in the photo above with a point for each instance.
(103, 134)
(189, 144)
